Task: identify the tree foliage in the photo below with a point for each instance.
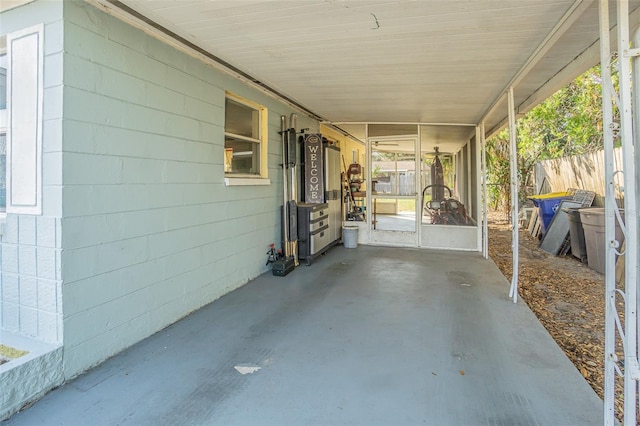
(568, 123)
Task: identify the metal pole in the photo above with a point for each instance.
(485, 218)
(285, 178)
(610, 283)
(468, 191)
(631, 220)
(293, 122)
(513, 162)
(478, 212)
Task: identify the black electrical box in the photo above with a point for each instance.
(282, 267)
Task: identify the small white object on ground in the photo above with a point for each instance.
(247, 368)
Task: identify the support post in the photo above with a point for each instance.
(478, 212)
(629, 119)
(630, 221)
(610, 283)
(485, 217)
(513, 162)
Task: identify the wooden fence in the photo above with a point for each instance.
(579, 172)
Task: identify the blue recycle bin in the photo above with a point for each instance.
(547, 205)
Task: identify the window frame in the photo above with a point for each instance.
(262, 177)
(4, 117)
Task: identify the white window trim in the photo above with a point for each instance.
(21, 160)
(245, 181)
(3, 130)
(231, 179)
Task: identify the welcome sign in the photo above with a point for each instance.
(313, 169)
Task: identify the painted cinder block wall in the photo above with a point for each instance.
(30, 302)
(150, 232)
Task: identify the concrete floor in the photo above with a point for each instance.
(363, 336)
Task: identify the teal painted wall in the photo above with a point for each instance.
(30, 278)
(150, 231)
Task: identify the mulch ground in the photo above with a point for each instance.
(565, 295)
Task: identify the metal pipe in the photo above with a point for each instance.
(630, 225)
(285, 198)
(513, 163)
(468, 190)
(485, 223)
(610, 283)
(293, 123)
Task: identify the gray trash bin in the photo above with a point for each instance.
(350, 236)
(576, 232)
(593, 222)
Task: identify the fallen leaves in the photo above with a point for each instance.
(565, 295)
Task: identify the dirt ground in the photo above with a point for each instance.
(566, 296)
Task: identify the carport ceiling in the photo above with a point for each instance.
(424, 61)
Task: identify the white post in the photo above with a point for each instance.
(631, 220)
(610, 283)
(468, 191)
(513, 162)
(485, 220)
(629, 370)
(478, 211)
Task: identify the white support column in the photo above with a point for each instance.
(485, 218)
(478, 212)
(513, 161)
(468, 183)
(627, 367)
(631, 372)
(610, 283)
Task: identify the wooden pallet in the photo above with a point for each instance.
(534, 224)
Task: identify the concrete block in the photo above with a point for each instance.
(10, 230)
(27, 230)
(46, 263)
(52, 168)
(58, 232)
(119, 142)
(52, 201)
(48, 327)
(110, 113)
(78, 264)
(52, 136)
(10, 316)
(91, 169)
(85, 44)
(200, 110)
(122, 86)
(165, 98)
(10, 287)
(29, 321)
(28, 292)
(80, 73)
(48, 296)
(27, 261)
(10, 258)
(45, 231)
(140, 170)
(53, 69)
(52, 99)
(29, 377)
(79, 136)
(53, 39)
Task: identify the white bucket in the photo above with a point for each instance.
(350, 236)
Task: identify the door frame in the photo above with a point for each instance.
(395, 238)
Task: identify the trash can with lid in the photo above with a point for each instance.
(547, 205)
(593, 222)
(576, 234)
(350, 236)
